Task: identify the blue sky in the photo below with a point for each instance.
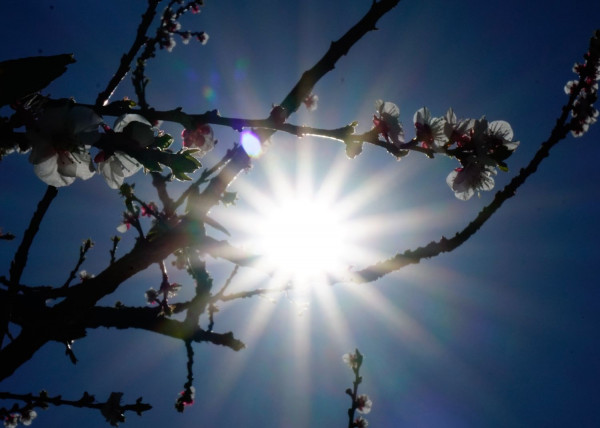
(501, 332)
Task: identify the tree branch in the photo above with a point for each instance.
(337, 49)
(147, 318)
(17, 266)
(126, 59)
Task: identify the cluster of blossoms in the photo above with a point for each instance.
(25, 417)
(585, 89)
(480, 146)
(61, 136)
(170, 26)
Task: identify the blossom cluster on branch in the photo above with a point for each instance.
(585, 89)
(480, 146)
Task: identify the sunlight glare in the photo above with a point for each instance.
(302, 239)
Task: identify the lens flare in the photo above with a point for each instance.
(208, 93)
(251, 144)
(303, 239)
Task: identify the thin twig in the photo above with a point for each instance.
(17, 266)
(85, 247)
(126, 59)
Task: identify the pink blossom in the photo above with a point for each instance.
(200, 139)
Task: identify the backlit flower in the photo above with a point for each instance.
(363, 404)
(361, 422)
(201, 139)
(501, 134)
(474, 177)
(387, 122)
(118, 166)
(457, 131)
(60, 140)
(12, 420)
(430, 130)
(28, 416)
(351, 360)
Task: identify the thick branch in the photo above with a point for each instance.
(144, 254)
(149, 319)
(18, 351)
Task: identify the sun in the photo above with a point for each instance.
(302, 239)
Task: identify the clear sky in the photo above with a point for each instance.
(501, 332)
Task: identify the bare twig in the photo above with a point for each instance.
(112, 407)
(85, 247)
(17, 266)
(127, 58)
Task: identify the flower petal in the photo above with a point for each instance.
(502, 129)
(47, 171)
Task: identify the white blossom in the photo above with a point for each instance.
(473, 177)
(430, 130)
(363, 404)
(387, 122)
(60, 140)
(117, 167)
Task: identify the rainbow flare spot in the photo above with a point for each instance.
(251, 144)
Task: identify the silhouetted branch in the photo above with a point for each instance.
(85, 247)
(18, 264)
(188, 120)
(337, 49)
(127, 58)
(148, 318)
(112, 409)
(115, 240)
(186, 397)
(19, 350)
